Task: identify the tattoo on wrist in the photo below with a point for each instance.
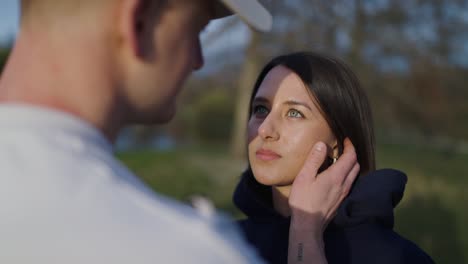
(300, 248)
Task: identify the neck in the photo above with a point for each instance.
(56, 70)
(280, 195)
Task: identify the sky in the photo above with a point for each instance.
(9, 13)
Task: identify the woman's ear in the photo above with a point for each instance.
(335, 150)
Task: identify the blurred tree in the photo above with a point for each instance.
(416, 42)
(4, 52)
(213, 117)
(402, 50)
(246, 82)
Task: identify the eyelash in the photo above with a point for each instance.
(297, 111)
(257, 108)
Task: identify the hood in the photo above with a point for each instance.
(371, 199)
(253, 198)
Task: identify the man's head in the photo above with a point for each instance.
(147, 47)
(156, 54)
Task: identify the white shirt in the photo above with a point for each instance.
(64, 198)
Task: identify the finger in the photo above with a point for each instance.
(348, 146)
(332, 213)
(313, 162)
(345, 163)
(352, 175)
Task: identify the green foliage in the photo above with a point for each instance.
(213, 115)
(4, 52)
(433, 212)
(169, 173)
(434, 227)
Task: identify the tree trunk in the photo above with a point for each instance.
(246, 83)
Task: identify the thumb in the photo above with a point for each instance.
(313, 162)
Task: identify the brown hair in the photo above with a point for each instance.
(339, 96)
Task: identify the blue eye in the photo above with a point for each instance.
(294, 113)
(259, 111)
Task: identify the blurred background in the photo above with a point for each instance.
(412, 59)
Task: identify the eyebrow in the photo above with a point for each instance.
(289, 102)
(292, 102)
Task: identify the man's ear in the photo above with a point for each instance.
(127, 25)
(136, 26)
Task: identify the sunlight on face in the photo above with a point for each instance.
(284, 125)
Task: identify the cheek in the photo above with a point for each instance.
(295, 151)
(297, 147)
(302, 139)
(298, 143)
(180, 57)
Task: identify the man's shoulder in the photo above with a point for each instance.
(86, 202)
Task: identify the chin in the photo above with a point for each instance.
(268, 179)
(155, 117)
(164, 114)
(271, 179)
(164, 118)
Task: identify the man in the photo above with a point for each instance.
(78, 73)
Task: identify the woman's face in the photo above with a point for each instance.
(283, 127)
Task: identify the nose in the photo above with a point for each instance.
(198, 56)
(268, 129)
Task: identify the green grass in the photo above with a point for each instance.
(423, 160)
(183, 173)
(433, 212)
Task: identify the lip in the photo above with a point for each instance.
(267, 155)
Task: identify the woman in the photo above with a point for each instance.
(299, 99)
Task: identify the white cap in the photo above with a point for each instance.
(251, 11)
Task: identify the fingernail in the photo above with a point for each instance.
(320, 146)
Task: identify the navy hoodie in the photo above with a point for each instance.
(361, 232)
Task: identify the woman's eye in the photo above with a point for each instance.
(294, 113)
(260, 110)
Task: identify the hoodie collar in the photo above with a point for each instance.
(371, 199)
(254, 199)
